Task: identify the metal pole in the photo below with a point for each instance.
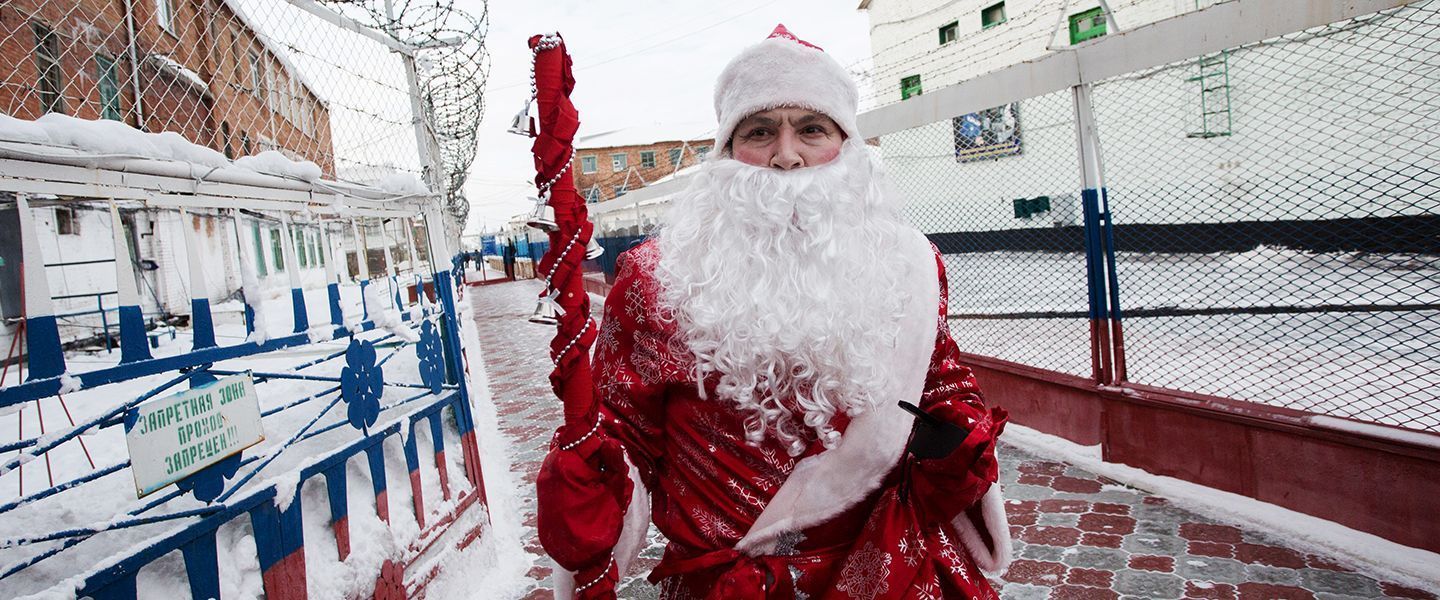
(1100, 358)
(425, 143)
(137, 103)
(104, 320)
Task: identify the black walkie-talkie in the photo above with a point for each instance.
(932, 437)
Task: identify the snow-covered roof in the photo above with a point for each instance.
(642, 135)
(168, 65)
(273, 49)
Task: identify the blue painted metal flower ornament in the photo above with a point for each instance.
(432, 366)
(361, 383)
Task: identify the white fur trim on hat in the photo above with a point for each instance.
(782, 71)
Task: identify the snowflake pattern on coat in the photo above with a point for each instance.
(866, 573)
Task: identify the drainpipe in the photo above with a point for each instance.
(134, 65)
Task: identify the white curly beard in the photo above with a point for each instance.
(782, 284)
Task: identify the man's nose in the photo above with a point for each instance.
(787, 152)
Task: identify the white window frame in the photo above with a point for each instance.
(257, 81)
(165, 15)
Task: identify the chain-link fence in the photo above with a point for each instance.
(370, 91)
(1275, 210)
(1277, 218)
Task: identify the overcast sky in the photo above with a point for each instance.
(637, 62)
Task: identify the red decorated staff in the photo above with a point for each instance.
(579, 539)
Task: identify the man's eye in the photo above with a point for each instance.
(758, 132)
(813, 129)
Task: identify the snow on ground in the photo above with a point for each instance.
(99, 501)
(1372, 366)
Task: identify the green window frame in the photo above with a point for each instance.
(949, 32)
(909, 86)
(108, 84)
(647, 159)
(277, 249)
(1087, 25)
(587, 164)
(300, 256)
(259, 252)
(675, 155)
(992, 15)
(320, 245)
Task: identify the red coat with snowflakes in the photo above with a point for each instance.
(900, 538)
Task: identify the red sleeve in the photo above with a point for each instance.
(584, 491)
(626, 383)
(945, 487)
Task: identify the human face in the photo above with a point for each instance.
(786, 138)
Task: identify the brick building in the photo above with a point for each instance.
(204, 73)
(607, 165)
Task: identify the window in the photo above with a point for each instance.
(948, 33)
(587, 164)
(300, 256)
(909, 86)
(109, 87)
(992, 15)
(620, 190)
(702, 152)
(1087, 25)
(1029, 207)
(294, 101)
(316, 259)
(165, 15)
(675, 155)
(593, 195)
(647, 159)
(617, 162)
(272, 91)
(259, 252)
(320, 245)
(65, 221)
(277, 250)
(255, 85)
(236, 55)
(47, 62)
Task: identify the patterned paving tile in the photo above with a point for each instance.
(1077, 535)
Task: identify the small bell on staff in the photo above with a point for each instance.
(544, 314)
(547, 309)
(593, 250)
(543, 217)
(523, 124)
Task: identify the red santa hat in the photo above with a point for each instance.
(783, 70)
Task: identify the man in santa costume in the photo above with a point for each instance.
(750, 369)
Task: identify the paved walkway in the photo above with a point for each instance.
(1077, 535)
